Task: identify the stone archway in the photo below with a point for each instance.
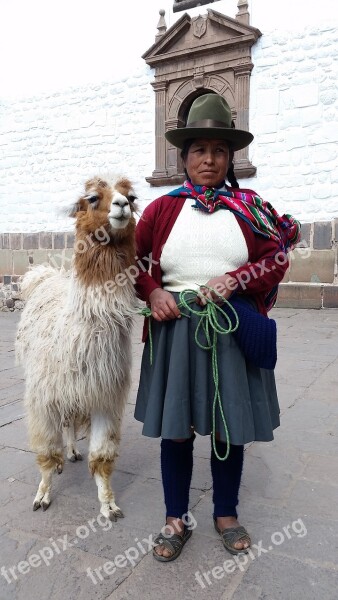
(178, 108)
(210, 52)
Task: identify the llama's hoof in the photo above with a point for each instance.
(119, 514)
(59, 469)
(111, 512)
(44, 505)
(75, 456)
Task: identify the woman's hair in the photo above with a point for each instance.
(230, 175)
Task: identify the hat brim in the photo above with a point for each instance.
(238, 138)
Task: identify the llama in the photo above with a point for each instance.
(74, 340)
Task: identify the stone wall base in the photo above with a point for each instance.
(307, 295)
(310, 282)
(290, 295)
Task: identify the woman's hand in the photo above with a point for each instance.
(163, 305)
(224, 286)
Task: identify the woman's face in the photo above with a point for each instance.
(207, 161)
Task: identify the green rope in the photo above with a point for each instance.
(211, 327)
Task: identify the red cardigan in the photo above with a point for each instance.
(153, 230)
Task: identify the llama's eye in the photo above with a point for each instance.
(132, 198)
(92, 198)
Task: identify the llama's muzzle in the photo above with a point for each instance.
(120, 211)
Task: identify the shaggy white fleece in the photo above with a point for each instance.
(74, 343)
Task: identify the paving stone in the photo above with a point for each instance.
(199, 554)
(321, 469)
(305, 428)
(12, 392)
(13, 372)
(11, 412)
(62, 576)
(5, 382)
(15, 435)
(288, 394)
(142, 446)
(270, 472)
(298, 534)
(325, 388)
(304, 371)
(273, 573)
(283, 481)
(313, 492)
(13, 461)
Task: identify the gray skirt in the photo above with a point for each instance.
(176, 391)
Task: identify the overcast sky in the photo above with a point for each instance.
(47, 45)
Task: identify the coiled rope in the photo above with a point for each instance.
(209, 323)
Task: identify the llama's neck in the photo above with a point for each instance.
(98, 264)
(102, 286)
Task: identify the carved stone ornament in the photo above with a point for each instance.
(195, 56)
(180, 5)
(199, 26)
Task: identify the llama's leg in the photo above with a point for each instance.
(103, 450)
(72, 452)
(46, 440)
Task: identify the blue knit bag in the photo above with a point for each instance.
(256, 334)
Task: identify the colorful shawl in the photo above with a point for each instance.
(260, 215)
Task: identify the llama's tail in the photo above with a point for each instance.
(33, 278)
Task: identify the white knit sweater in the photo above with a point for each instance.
(201, 246)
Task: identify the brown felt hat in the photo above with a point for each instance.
(210, 117)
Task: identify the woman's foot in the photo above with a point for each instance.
(173, 526)
(241, 544)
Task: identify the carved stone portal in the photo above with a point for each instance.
(209, 53)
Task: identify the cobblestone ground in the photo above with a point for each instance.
(288, 500)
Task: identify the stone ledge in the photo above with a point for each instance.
(330, 296)
(298, 295)
(307, 295)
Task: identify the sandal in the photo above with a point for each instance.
(174, 544)
(231, 535)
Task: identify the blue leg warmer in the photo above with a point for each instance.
(226, 476)
(176, 465)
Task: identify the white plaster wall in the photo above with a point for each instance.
(74, 103)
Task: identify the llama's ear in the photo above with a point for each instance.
(74, 209)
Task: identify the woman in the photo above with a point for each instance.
(223, 244)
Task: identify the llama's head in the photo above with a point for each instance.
(105, 210)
